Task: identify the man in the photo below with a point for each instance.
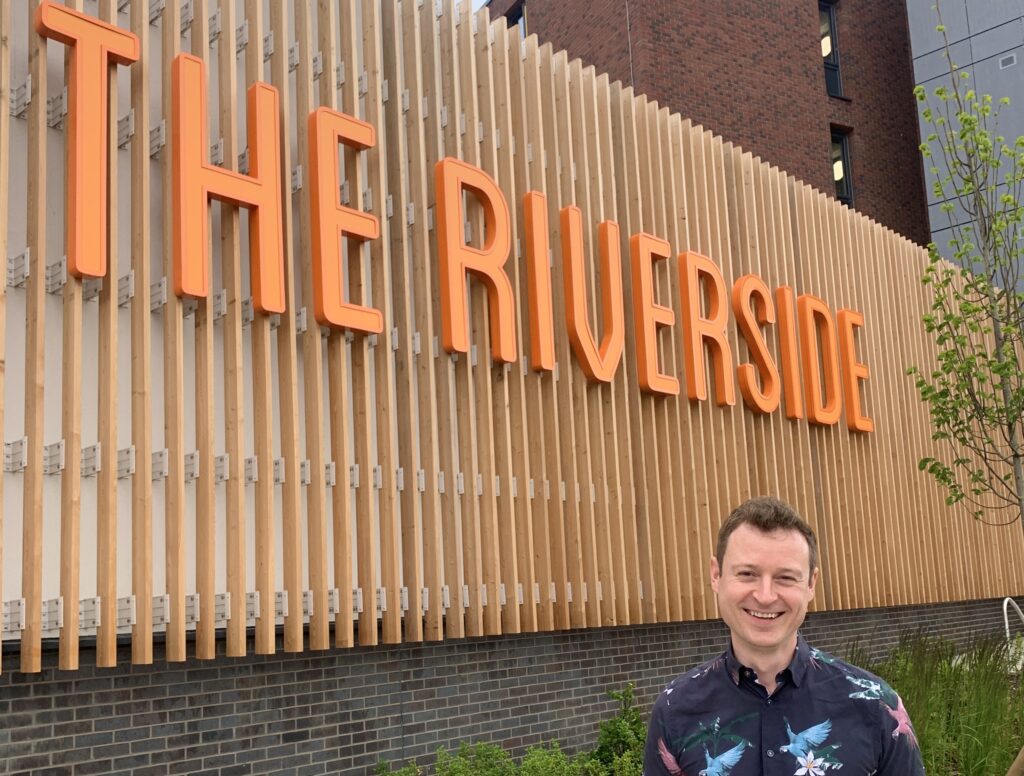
(771, 705)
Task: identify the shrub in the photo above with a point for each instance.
(550, 760)
(475, 760)
(384, 769)
(624, 734)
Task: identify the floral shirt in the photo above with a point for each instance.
(825, 714)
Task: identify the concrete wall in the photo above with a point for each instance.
(342, 711)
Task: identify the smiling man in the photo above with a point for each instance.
(771, 705)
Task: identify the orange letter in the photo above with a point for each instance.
(452, 177)
(790, 351)
(853, 371)
(644, 250)
(747, 289)
(332, 221)
(698, 330)
(538, 271)
(94, 45)
(818, 335)
(195, 182)
(598, 365)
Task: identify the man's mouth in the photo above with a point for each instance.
(763, 615)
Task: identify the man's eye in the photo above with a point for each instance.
(787, 580)
(746, 575)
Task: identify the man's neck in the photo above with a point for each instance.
(767, 665)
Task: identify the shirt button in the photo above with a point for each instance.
(769, 701)
(770, 753)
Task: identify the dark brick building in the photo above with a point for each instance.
(754, 71)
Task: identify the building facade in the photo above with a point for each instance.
(806, 87)
(247, 533)
(986, 39)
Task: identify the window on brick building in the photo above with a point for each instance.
(830, 48)
(516, 16)
(841, 172)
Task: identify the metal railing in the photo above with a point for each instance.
(1007, 603)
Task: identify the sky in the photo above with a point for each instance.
(478, 3)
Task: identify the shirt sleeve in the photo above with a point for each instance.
(658, 760)
(901, 755)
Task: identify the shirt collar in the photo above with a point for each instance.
(797, 667)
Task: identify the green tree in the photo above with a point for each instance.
(975, 391)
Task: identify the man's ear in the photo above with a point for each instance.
(814, 580)
(716, 573)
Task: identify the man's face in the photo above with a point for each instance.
(763, 587)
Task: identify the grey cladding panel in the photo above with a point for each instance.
(987, 14)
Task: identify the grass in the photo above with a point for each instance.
(967, 708)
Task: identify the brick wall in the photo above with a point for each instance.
(342, 711)
(751, 71)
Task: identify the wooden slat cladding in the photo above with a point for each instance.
(375, 483)
(5, 146)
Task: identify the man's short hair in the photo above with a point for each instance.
(767, 514)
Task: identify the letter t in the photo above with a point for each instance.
(94, 46)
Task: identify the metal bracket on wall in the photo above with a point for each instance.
(53, 457)
(125, 611)
(16, 455)
(221, 608)
(161, 609)
(53, 614)
(18, 268)
(21, 96)
(14, 615)
(88, 614)
(192, 609)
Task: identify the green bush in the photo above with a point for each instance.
(622, 735)
(475, 760)
(550, 760)
(384, 769)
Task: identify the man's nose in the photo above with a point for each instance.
(765, 590)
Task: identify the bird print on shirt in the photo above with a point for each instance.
(670, 762)
(723, 763)
(902, 721)
(800, 743)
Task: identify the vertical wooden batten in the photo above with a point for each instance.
(422, 268)
(71, 432)
(107, 409)
(5, 150)
(174, 377)
(400, 335)
(288, 370)
(264, 564)
(141, 333)
(205, 423)
(35, 357)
